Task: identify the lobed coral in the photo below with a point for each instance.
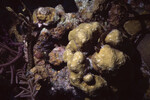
(108, 58)
(114, 38)
(76, 56)
(83, 33)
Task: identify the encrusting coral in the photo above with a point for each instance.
(56, 56)
(45, 16)
(39, 73)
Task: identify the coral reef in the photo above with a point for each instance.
(74, 50)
